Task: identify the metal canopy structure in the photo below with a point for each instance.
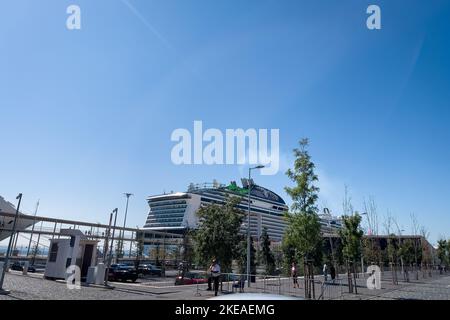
(46, 228)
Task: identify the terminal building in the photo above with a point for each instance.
(176, 212)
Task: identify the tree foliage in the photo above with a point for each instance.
(304, 193)
(266, 253)
(218, 234)
(302, 239)
(242, 256)
(351, 235)
(406, 251)
(442, 251)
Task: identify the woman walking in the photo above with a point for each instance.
(294, 275)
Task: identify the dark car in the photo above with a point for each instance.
(121, 272)
(191, 278)
(18, 266)
(149, 269)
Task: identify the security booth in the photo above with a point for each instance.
(74, 249)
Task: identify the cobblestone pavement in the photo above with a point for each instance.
(34, 287)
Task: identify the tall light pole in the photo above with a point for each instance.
(248, 220)
(5, 265)
(128, 195)
(112, 238)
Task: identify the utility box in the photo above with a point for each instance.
(75, 249)
(100, 273)
(91, 275)
(25, 268)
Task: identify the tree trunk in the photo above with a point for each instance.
(305, 278)
(354, 277)
(349, 278)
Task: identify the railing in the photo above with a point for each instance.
(281, 285)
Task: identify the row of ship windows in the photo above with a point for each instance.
(219, 193)
(159, 212)
(171, 215)
(164, 220)
(167, 206)
(165, 202)
(153, 225)
(243, 207)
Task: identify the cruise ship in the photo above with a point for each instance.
(176, 212)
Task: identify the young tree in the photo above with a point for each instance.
(426, 251)
(442, 252)
(406, 253)
(351, 235)
(266, 253)
(302, 239)
(217, 235)
(304, 193)
(392, 252)
(242, 256)
(35, 251)
(370, 208)
(187, 250)
(118, 250)
(371, 251)
(139, 249)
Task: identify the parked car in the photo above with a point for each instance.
(19, 265)
(16, 266)
(149, 269)
(37, 268)
(191, 278)
(121, 272)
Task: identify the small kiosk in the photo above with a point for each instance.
(75, 249)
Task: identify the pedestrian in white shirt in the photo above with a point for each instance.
(215, 271)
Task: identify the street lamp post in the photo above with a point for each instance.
(128, 195)
(248, 221)
(112, 239)
(5, 265)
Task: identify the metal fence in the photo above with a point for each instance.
(282, 285)
(422, 281)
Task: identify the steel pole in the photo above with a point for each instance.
(124, 223)
(5, 266)
(112, 239)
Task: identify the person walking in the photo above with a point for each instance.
(210, 277)
(294, 275)
(325, 272)
(215, 271)
(332, 273)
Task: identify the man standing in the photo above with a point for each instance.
(215, 271)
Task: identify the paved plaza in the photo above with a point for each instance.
(34, 287)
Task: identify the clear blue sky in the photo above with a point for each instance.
(87, 115)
